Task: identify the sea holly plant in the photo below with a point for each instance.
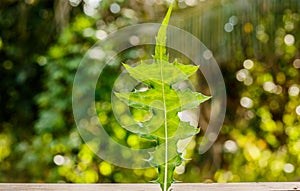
(164, 102)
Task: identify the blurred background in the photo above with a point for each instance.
(255, 42)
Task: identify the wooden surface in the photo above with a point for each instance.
(270, 186)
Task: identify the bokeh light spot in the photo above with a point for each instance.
(93, 3)
(1, 43)
(88, 32)
(59, 160)
(294, 90)
(230, 146)
(134, 40)
(248, 81)
(248, 27)
(74, 3)
(115, 8)
(97, 53)
(233, 20)
(289, 39)
(29, 2)
(269, 86)
(246, 102)
(248, 64)
(8, 65)
(89, 10)
(298, 110)
(191, 2)
(42, 60)
(296, 63)
(105, 168)
(132, 140)
(101, 34)
(242, 75)
(228, 27)
(207, 54)
(180, 169)
(288, 168)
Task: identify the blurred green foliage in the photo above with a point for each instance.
(255, 42)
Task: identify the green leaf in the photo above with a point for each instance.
(170, 167)
(177, 100)
(171, 72)
(160, 48)
(163, 102)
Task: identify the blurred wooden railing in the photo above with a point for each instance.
(270, 186)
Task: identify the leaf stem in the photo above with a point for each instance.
(166, 128)
(161, 43)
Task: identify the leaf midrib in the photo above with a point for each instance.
(161, 43)
(166, 123)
